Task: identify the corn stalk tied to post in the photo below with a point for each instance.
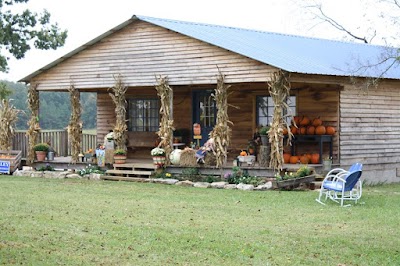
(33, 123)
(75, 123)
(279, 90)
(8, 119)
(166, 130)
(119, 99)
(221, 133)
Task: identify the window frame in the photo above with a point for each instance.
(292, 106)
(146, 114)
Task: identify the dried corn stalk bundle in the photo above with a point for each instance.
(33, 124)
(75, 123)
(221, 132)
(165, 133)
(8, 118)
(279, 90)
(118, 97)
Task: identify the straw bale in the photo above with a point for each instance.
(188, 157)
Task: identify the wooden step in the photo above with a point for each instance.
(129, 172)
(134, 166)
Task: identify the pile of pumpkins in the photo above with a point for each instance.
(303, 125)
(307, 158)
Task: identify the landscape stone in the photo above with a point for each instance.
(242, 186)
(230, 186)
(219, 185)
(185, 183)
(202, 184)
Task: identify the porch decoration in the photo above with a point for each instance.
(290, 180)
(279, 89)
(41, 150)
(221, 132)
(188, 157)
(75, 123)
(33, 123)
(119, 156)
(8, 118)
(118, 97)
(166, 130)
(158, 156)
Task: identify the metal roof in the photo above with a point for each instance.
(288, 52)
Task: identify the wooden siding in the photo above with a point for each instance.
(370, 131)
(141, 51)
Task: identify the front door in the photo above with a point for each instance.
(204, 113)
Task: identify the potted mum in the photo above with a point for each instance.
(264, 135)
(119, 156)
(158, 156)
(41, 150)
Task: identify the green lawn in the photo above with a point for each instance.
(74, 222)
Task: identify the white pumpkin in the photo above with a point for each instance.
(175, 156)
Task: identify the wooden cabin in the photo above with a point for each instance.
(367, 122)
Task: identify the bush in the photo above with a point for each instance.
(41, 147)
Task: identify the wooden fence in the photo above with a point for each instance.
(58, 139)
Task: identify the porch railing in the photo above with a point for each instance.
(58, 139)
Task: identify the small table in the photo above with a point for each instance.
(177, 145)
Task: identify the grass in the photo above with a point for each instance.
(79, 222)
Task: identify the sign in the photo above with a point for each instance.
(5, 167)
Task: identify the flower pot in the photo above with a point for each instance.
(159, 161)
(119, 159)
(295, 182)
(264, 140)
(40, 155)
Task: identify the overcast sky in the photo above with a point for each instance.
(86, 19)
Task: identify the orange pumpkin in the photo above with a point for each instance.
(305, 121)
(302, 130)
(317, 122)
(286, 157)
(309, 156)
(304, 159)
(285, 131)
(294, 159)
(293, 129)
(320, 130)
(330, 130)
(315, 158)
(243, 153)
(296, 120)
(310, 130)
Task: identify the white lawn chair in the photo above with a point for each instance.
(340, 185)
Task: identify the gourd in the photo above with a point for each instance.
(293, 129)
(286, 157)
(317, 122)
(310, 130)
(304, 159)
(320, 130)
(330, 130)
(294, 159)
(305, 121)
(296, 120)
(302, 130)
(315, 158)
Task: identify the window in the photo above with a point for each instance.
(143, 115)
(265, 109)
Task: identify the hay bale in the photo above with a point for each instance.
(188, 157)
(210, 159)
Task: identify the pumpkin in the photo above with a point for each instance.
(304, 159)
(305, 121)
(243, 153)
(315, 158)
(309, 156)
(316, 122)
(310, 130)
(302, 130)
(330, 130)
(296, 120)
(286, 157)
(285, 131)
(293, 129)
(294, 159)
(320, 130)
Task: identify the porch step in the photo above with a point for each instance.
(129, 172)
(134, 166)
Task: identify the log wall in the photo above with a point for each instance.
(370, 131)
(140, 51)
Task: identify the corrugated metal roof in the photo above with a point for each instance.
(288, 52)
